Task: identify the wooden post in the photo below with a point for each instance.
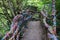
(34, 32)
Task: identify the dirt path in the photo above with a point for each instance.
(34, 31)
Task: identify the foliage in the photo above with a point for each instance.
(10, 8)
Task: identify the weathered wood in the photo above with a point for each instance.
(34, 32)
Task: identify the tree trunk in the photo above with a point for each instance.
(35, 31)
